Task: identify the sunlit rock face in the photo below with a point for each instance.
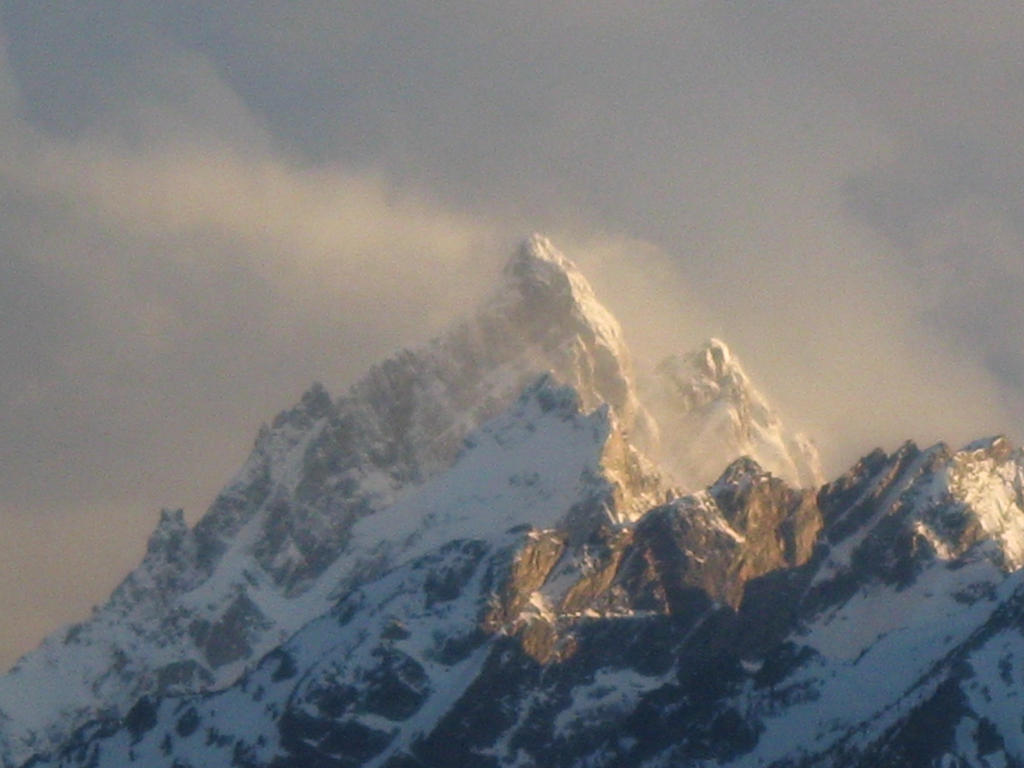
(206, 602)
(500, 550)
(752, 623)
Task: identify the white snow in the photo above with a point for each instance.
(992, 490)
(880, 643)
(519, 475)
(839, 555)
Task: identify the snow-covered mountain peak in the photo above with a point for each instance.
(713, 372)
(709, 412)
(996, 447)
(908, 510)
(987, 478)
(538, 263)
(335, 489)
(550, 288)
(545, 316)
(741, 474)
(716, 361)
(314, 404)
(469, 559)
(537, 252)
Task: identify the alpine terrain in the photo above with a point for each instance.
(510, 548)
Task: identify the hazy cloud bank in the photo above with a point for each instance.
(206, 206)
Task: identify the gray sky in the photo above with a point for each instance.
(204, 206)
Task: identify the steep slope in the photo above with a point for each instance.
(881, 623)
(708, 412)
(333, 493)
(206, 601)
(520, 558)
(917, 572)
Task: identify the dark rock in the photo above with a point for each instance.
(228, 639)
(188, 723)
(396, 687)
(141, 718)
(181, 677)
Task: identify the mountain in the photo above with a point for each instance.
(707, 408)
(508, 548)
(292, 533)
(877, 622)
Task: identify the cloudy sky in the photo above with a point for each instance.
(204, 206)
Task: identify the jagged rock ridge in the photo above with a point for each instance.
(852, 640)
(277, 546)
(473, 562)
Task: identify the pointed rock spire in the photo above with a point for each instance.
(709, 412)
(280, 531)
(549, 291)
(547, 312)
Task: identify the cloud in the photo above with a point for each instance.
(204, 207)
(162, 297)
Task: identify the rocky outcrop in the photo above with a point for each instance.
(280, 525)
(471, 558)
(743, 625)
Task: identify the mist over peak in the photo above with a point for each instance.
(208, 206)
(506, 500)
